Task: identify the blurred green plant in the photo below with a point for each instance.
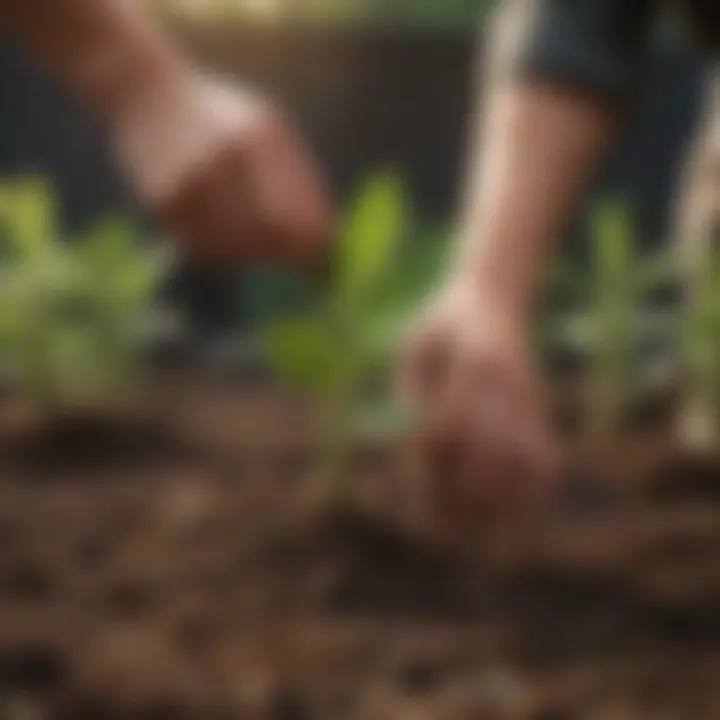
(72, 315)
(339, 353)
(700, 346)
(605, 315)
(617, 294)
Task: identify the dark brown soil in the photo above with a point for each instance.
(175, 571)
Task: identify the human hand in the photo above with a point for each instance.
(225, 172)
(487, 452)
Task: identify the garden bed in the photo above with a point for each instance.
(176, 570)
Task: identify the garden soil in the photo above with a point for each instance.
(176, 569)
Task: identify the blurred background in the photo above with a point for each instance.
(372, 84)
(217, 522)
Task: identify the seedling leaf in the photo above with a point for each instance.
(27, 217)
(303, 353)
(370, 237)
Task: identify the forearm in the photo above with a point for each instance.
(108, 51)
(538, 147)
(558, 74)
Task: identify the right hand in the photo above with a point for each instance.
(225, 172)
(487, 452)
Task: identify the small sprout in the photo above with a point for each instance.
(615, 307)
(700, 342)
(609, 321)
(340, 353)
(623, 283)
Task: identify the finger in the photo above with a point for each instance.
(484, 459)
(526, 475)
(497, 464)
(290, 190)
(438, 451)
(213, 211)
(459, 486)
(543, 456)
(444, 504)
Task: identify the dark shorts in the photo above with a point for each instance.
(596, 44)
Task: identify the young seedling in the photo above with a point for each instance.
(700, 343)
(616, 291)
(72, 314)
(613, 321)
(339, 354)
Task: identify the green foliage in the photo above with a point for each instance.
(304, 354)
(371, 236)
(610, 317)
(72, 315)
(700, 344)
(340, 352)
(615, 306)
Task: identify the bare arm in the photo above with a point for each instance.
(559, 76)
(490, 453)
(538, 148)
(218, 164)
(108, 51)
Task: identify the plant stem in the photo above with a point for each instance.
(334, 466)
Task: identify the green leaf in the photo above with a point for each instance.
(70, 312)
(422, 266)
(370, 237)
(303, 354)
(27, 215)
(114, 269)
(614, 236)
(380, 330)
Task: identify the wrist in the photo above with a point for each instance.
(493, 290)
(487, 303)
